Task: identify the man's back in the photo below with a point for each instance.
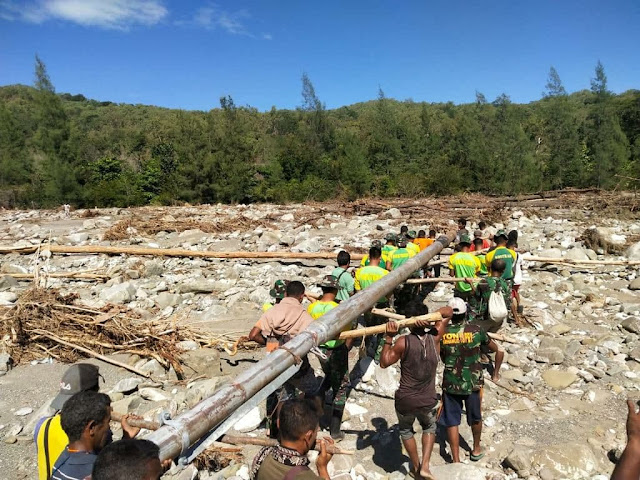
(464, 265)
(460, 352)
(287, 317)
(399, 257)
(479, 302)
(345, 283)
(73, 465)
(502, 253)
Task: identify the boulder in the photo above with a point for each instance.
(577, 254)
(385, 378)
(7, 282)
(8, 298)
(6, 362)
(153, 394)
(392, 213)
(550, 355)
(519, 460)
(76, 238)
(631, 324)
(311, 245)
(121, 293)
(559, 379)
(127, 385)
(153, 268)
(204, 361)
(462, 471)
(568, 460)
(635, 284)
(550, 253)
(633, 252)
(287, 217)
(126, 405)
(166, 299)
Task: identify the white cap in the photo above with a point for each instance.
(459, 306)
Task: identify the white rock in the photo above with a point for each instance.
(8, 298)
(22, 412)
(287, 217)
(122, 293)
(250, 421)
(354, 409)
(153, 394)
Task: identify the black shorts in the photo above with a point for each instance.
(451, 410)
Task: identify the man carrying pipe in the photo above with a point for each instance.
(418, 353)
(275, 327)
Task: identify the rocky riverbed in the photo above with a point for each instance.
(575, 364)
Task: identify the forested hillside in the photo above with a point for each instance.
(61, 148)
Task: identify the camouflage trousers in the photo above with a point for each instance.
(336, 371)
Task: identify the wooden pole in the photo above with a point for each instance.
(570, 261)
(405, 322)
(70, 275)
(171, 252)
(400, 318)
(229, 439)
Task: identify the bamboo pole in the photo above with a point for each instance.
(171, 252)
(228, 439)
(405, 322)
(401, 318)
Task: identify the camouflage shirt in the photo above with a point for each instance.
(479, 301)
(460, 352)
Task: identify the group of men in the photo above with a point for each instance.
(461, 340)
(76, 443)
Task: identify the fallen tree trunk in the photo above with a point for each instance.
(169, 252)
(229, 439)
(70, 275)
(570, 261)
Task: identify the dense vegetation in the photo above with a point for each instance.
(65, 148)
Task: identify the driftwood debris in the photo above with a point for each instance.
(169, 252)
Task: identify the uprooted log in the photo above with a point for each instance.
(168, 252)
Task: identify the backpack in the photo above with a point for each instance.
(498, 311)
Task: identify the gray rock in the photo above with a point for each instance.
(166, 299)
(133, 274)
(121, 293)
(519, 460)
(186, 345)
(568, 460)
(550, 355)
(559, 379)
(8, 268)
(8, 298)
(203, 361)
(635, 284)
(76, 238)
(7, 282)
(550, 253)
(287, 217)
(251, 420)
(153, 367)
(633, 252)
(153, 394)
(631, 324)
(153, 268)
(127, 385)
(23, 412)
(392, 213)
(385, 379)
(6, 362)
(197, 285)
(577, 254)
(310, 245)
(126, 405)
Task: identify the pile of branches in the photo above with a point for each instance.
(124, 229)
(45, 322)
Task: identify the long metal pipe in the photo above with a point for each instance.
(176, 437)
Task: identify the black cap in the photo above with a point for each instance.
(78, 378)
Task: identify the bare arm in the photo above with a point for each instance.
(255, 335)
(628, 468)
(391, 354)
(493, 346)
(441, 327)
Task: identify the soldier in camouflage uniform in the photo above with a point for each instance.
(462, 379)
(336, 365)
(481, 292)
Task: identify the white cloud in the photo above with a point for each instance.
(213, 17)
(267, 36)
(111, 14)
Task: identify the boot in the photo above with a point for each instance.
(336, 420)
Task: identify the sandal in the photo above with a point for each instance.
(475, 458)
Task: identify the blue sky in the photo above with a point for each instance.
(186, 54)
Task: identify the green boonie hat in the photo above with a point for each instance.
(329, 281)
(501, 233)
(465, 239)
(402, 242)
(376, 243)
(390, 237)
(411, 234)
(279, 289)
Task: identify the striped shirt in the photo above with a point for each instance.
(73, 466)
